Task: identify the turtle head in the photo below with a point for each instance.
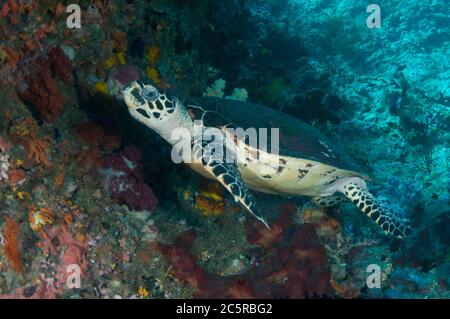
(147, 104)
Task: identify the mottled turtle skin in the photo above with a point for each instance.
(307, 163)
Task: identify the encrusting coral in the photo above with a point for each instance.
(11, 246)
(41, 90)
(61, 64)
(124, 179)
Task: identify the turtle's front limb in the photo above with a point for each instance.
(228, 175)
(212, 156)
(381, 211)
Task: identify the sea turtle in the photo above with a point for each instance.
(305, 163)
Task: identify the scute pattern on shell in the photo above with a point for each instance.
(297, 139)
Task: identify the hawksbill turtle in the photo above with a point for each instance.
(305, 163)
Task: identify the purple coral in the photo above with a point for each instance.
(124, 180)
(126, 74)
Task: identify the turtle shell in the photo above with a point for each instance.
(296, 138)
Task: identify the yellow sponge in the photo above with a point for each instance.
(102, 87)
(153, 74)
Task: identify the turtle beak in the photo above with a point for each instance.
(130, 92)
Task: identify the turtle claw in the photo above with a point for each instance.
(265, 223)
(259, 216)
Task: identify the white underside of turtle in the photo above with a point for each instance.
(261, 171)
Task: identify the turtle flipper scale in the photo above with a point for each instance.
(229, 177)
(211, 155)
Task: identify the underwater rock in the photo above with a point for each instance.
(58, 244)
(407, 282)
(136, 48)
(295, 265)
(184, 265)
(127, 190)
(327, 227)
(97, 141)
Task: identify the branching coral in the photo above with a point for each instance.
(25, 132)
(38, 151)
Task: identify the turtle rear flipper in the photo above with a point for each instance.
(381, 211)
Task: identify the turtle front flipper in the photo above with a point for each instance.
(229, 176)
(381, 211)
(211, 156)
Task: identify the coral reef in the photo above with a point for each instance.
(295, 268)
(82, 184)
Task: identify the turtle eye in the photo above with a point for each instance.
(150, 93)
